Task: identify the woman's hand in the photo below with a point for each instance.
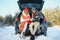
(36, 16)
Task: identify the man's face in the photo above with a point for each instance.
(34, 11)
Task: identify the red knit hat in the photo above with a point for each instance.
(26, 9)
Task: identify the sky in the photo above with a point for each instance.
(8, 7)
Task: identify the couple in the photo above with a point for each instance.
(31, 21)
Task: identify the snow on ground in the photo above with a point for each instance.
(7, 33)
(53, 33)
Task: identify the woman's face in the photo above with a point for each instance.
(26, 11)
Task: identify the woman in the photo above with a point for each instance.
(25, 18)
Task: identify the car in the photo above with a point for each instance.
(38, 4)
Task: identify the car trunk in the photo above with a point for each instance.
(38, 4)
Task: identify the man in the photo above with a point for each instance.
(35, 21)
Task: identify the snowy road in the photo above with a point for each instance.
(7, 33)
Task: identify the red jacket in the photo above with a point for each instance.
(23, 20)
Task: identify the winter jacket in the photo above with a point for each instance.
(34, 19)
(23, 20)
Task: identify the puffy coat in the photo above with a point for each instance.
(23, 20)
